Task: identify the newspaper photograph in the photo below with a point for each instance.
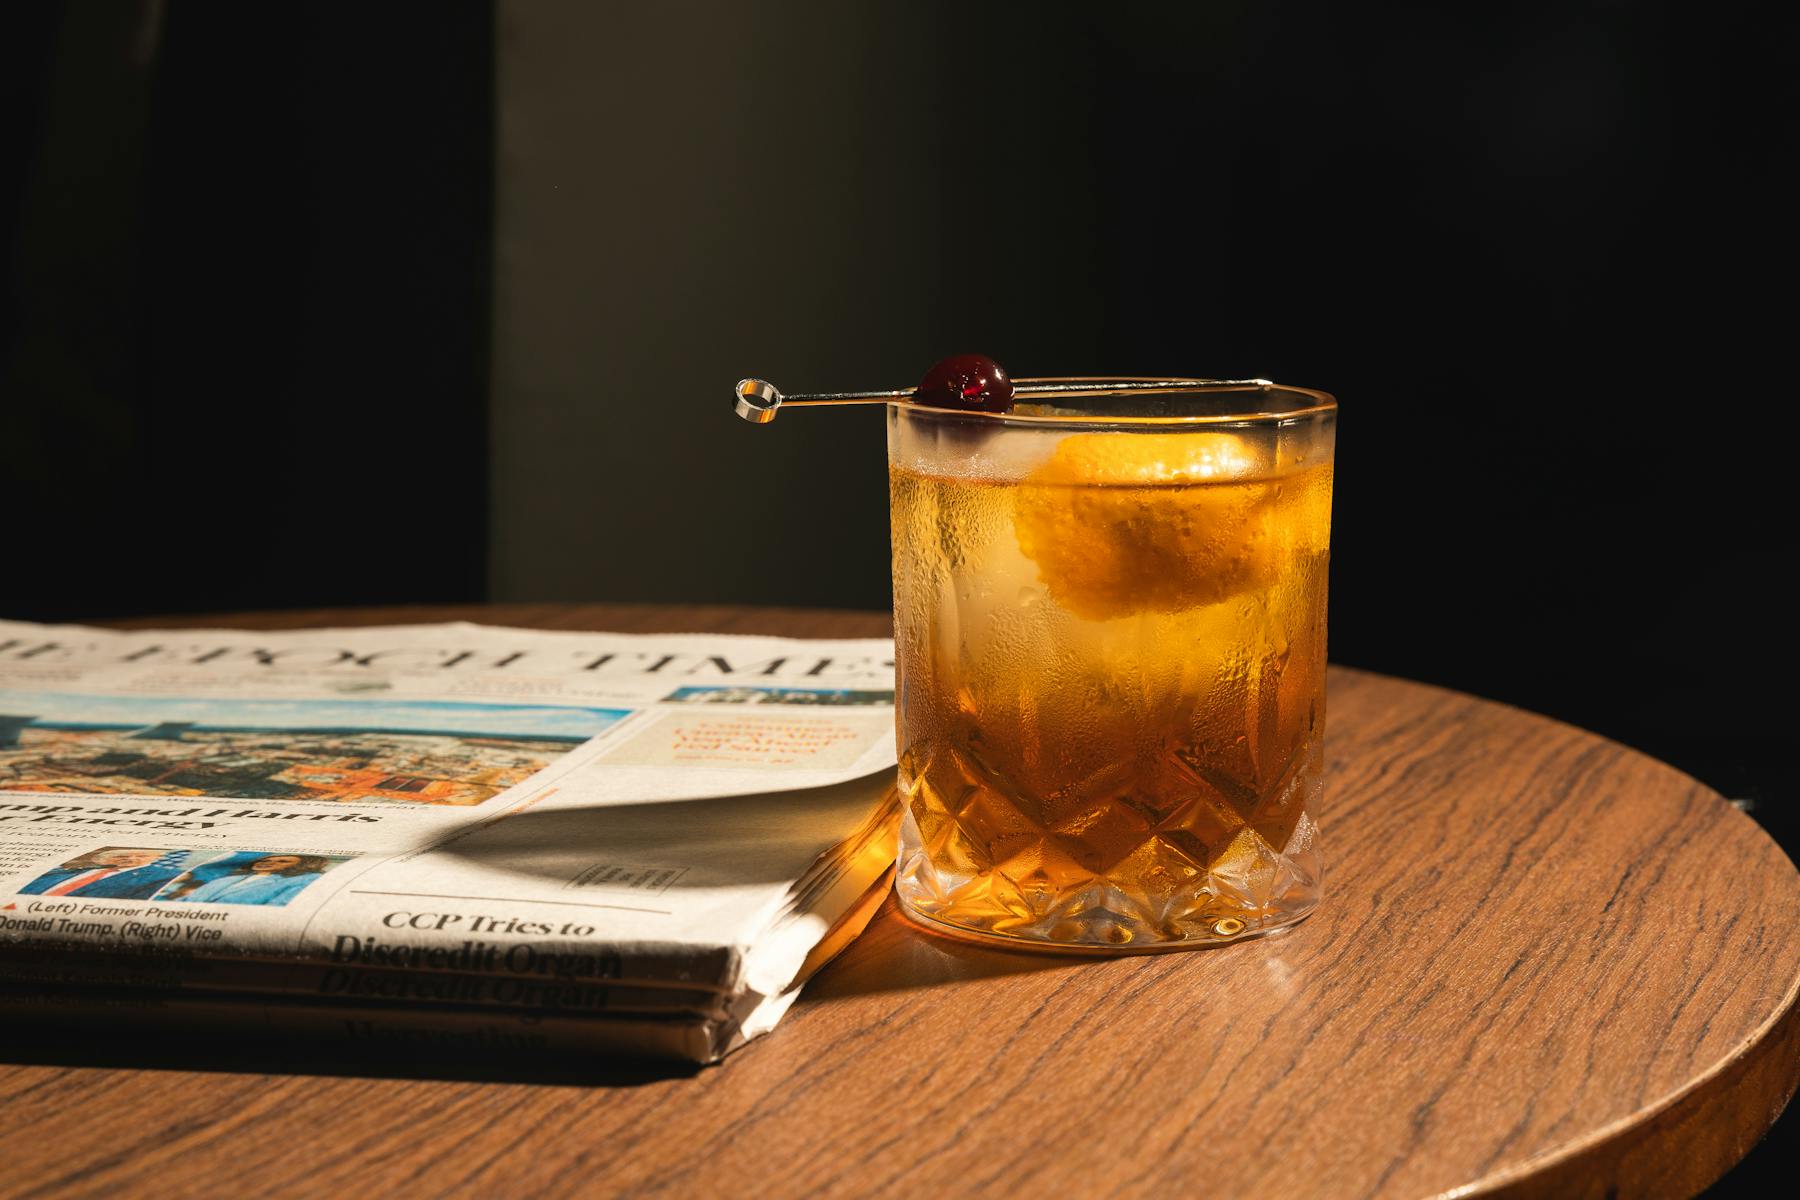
(442, 818)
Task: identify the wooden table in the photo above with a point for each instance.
(1546, 965)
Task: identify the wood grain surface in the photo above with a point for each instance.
(1545, 965)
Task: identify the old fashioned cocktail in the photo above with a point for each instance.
(1110, 633)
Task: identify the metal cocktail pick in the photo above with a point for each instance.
(757, 399)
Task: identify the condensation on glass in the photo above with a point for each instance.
(1110, 632)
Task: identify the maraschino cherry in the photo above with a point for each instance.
(973, 382)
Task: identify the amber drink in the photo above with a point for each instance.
(1110, 628)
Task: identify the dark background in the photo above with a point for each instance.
(314, 304)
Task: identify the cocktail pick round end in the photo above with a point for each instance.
(757, 401)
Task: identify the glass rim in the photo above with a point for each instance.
(1311, 402)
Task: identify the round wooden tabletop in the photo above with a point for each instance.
(1546, 964)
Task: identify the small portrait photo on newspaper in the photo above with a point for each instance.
(341, 750)
(267, 878)
(113, 873)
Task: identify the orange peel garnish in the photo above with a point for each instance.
(1127, 523)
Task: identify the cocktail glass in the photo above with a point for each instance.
(1109, 621)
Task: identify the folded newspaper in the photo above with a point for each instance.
(455, 833)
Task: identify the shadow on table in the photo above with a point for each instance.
(894, 954)
(313, 1055)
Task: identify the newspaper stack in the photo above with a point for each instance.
(439, 833)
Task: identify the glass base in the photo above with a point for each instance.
(1104, 916)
